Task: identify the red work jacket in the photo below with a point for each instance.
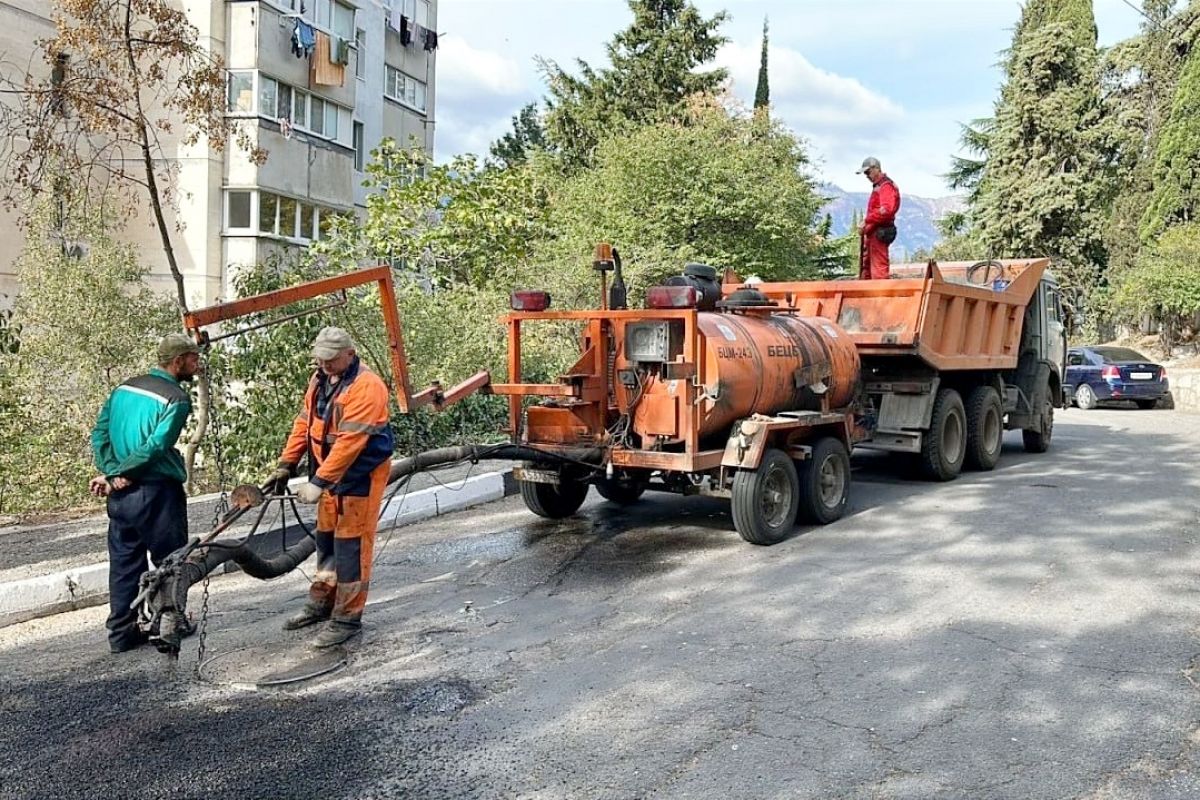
(883, 204)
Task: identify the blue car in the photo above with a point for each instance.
(1104, 374)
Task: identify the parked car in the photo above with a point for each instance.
(1103, 374)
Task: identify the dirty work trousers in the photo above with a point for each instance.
(874, 262)
(345, 548)
(147, 518)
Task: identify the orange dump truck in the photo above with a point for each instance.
(758, 393)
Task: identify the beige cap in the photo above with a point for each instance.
(869, 162)
(174, 345)
(330, 343)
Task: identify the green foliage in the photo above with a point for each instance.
(527, 137)
(1165, 282)
(718, 188)
(86, 322)
(1176, 194)
(1044, 189)
(762, 90)
(654, 68)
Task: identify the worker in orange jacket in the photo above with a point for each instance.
(343, 429)
(878, 229)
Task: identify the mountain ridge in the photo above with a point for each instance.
(916, 224)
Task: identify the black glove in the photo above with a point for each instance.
(277, 483)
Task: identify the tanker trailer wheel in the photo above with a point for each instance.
(944, 445)
(825, 482)
(765, 500)
(554, 501)
(621, 492)
(985, 428)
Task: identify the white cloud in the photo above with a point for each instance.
(464, 70)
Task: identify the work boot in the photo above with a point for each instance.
(309, 615)
(336, 633)
(129, 641)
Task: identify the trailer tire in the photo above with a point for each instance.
(623, 493)
(765, 500)
(944, 445)
(554, 501)
(985, 428)
(824, 482)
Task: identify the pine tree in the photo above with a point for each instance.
(1043, 188)
(762, 92)
(653, 70)
(526, 136)
(1176, 172)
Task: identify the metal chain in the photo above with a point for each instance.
(222, 507)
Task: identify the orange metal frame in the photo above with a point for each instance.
(196, 321)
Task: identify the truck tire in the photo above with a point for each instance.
(1038, 441)
(944, 445)
(765, 500)
(985, 428)
(824, 482)
(554, 501)
(623, 493)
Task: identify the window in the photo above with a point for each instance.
(416, 10)
(283, 108)
(241, 92)
(358, 147)
(316, 116)
(331, 120)
(1074, 359)
(268, 207)
(322, 12)
(268, 90)
(360, 56)
(343, 21)
(308, 220)
(287, 217)
(237, 210)
(404, 88)
(300, 109)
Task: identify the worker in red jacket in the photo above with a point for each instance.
(879, 225)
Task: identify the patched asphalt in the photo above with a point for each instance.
(1028, 633)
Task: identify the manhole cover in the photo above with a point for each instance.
(270, 665)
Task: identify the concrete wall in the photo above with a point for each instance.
(1185, 389)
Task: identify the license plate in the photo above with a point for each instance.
(1142, 376)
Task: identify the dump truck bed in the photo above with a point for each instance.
(927, 310)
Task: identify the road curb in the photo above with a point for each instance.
(81, 587)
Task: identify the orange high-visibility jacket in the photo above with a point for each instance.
(346, 437)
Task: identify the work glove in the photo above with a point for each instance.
(309, 493)
(278, 481)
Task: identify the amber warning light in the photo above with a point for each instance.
(672, 297)
(530, 300)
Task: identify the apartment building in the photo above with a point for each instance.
(315, 83)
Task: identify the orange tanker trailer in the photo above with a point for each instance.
(756, 393)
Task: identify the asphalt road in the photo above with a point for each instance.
(1029, 633)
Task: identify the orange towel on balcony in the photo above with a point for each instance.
(324, 71)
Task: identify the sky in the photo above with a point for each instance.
(853, 78)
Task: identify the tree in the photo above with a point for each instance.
(86, 322)
(747, 202)
(1176, 174)
(1044, 187)
(654, 68)
(1164, 284)
(762, 91)
(129, 83)
(526, 137)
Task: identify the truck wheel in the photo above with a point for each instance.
(944, 445)
(765, 500)
(824, 482)
(1039, 441)
(554, 501)
(623, 493)
(985, 428)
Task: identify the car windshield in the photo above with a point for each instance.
(1118, 355)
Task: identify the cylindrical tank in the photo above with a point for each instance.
(757, 363)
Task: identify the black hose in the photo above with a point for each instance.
(590, 457)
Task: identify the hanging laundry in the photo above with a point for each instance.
(430, 40)
(417, 35)
(396, 18)
(303, 39)
(341, 51)
(324, 71)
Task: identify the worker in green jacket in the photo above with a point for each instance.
(133, 445)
